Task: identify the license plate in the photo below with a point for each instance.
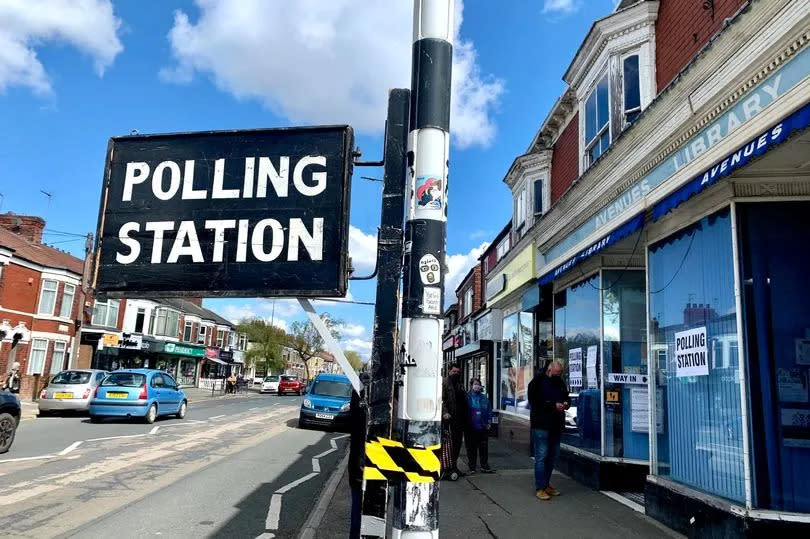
(324, 416)
(114, 395)
(63, 395)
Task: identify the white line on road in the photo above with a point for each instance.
(70, 448)
(295, 483)
(333, 444)
(20, 459)
(274, 513)
(217, 416)
(340, 437)
(319, 455)
(254, 408)
(154, 430)
(266, 535)
(316, 466)
(115, 437)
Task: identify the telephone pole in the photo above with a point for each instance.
(419, 410)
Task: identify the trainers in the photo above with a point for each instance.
(543, 495)
(472, 471)
(552, 491)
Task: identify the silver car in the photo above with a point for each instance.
(70, 390)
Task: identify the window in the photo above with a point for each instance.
(124, 379)
(632, 91)
(157, 381)
(47, 298)
(243, 340)
(517, 364)
(220, 338)
(468, 299)
(187, 332)
(520, 208)
(597, 121)
(538, 197)
(58, 360)
(66, 311)
(201, 334)
(503, 247)
(139, 320)
(106, 313)
(166, 322)
(36, 362)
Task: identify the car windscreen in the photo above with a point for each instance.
(332, 388)
(72, 378)
(289, 378)
(271, 379)
(125, 379)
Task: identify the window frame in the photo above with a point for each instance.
(69, 304)
(188, 330)
(63, 352)
(30, 370)
(468, 300)
(201, 334)
(541, 181)
(600, 131)
(623, 87)
(105, 322)
(142, 313)
(162, 329)
(220, 338)
(42, 291)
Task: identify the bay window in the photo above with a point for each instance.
(105, 313)
(166, 322)
(47, 297)
(632, 89)
(597, 121)
(66, 310)
(58, 359)
(39, 349)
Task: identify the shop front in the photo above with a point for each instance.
(181, 361)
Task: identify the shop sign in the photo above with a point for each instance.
(489, 327)
(612, 396)
(624, 378)
(691, 353)
(575, 368)
(495, 286)
(110, 340)
(744, 110)
(212, 353)
(226, 355)
(131, 340)
(183, 350)
(238, 356)
(519, 271)
(230, 213)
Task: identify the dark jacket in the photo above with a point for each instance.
(544, 394)
(454, 402)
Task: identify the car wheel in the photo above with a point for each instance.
(151, 414)
(8, 427)
(182, 412)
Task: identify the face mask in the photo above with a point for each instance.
(476, 388)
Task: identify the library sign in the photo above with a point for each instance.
(228, 213)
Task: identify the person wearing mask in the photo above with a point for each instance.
(12, 380)
(454, 418)
(478, 433)
(548, 398)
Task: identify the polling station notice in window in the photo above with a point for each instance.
(226, 213)
(691, 353)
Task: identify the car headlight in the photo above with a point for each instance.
(307, 403)
(345, 407)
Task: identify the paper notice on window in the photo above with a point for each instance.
(593, 382)
(640, 410)
(792, 384)
(575, 368)
(691, 353)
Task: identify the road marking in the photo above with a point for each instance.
(20, 459)
(340, 437)
(254, 408)
(333, 444)
(276, 404)
(316, 466)
(217, 416)
(154, 430)
(70, 448)
(319, 455)
(290, 486)
(266, 535)
(115, 437)
(273, 513)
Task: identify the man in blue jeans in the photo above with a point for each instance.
(548, 398)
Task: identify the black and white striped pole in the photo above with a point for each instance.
(419, 408)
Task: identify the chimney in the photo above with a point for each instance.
(28, 226)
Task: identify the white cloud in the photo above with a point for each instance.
(238, 313)
(457, 267)
(358, 345)
(352, 330)
(88, 25)
(560, 6)
(324, 62)
(363, 250)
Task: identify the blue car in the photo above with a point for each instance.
(144, 393)
(326, 403)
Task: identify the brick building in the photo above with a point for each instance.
(39, 302)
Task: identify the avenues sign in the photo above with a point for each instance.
(237, 213)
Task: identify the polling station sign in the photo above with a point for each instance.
(226, 213)
(691, 353)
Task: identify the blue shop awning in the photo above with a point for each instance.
(603, 243)
(737, 159)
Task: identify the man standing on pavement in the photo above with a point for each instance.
(548, 398)
(455, 415)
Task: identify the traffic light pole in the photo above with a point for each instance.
(419, 410)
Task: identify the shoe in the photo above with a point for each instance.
(487, 470)
(543, 495)
(552, 491)
(472, 472)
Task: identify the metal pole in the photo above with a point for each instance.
(389, 268)
(419, 410)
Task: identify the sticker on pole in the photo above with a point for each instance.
(428, 193)
(429, 269)
(691, 353)
(432, 300)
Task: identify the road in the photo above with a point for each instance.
(234, 467)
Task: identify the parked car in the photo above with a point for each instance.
(70, 390)
(326, 404)
(290, 383)
(10, 413)
(270, 384)
(144, 393)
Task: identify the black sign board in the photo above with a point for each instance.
(226, 213)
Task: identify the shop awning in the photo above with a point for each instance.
(216, 360)
(737, 159)
(601, 244)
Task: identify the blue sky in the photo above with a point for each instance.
(75, 72)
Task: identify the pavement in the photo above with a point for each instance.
(503, 505)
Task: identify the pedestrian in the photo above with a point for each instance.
(12, 380)
(478, 432)
(548, 398)
(231, 383)
(455, 418)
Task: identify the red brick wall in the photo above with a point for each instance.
(565, 159)
(17, 292)
(683, 28)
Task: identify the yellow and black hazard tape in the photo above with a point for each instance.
(390, 460)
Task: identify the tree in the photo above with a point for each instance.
(354, 359)
(266, 344)
(307, 342)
